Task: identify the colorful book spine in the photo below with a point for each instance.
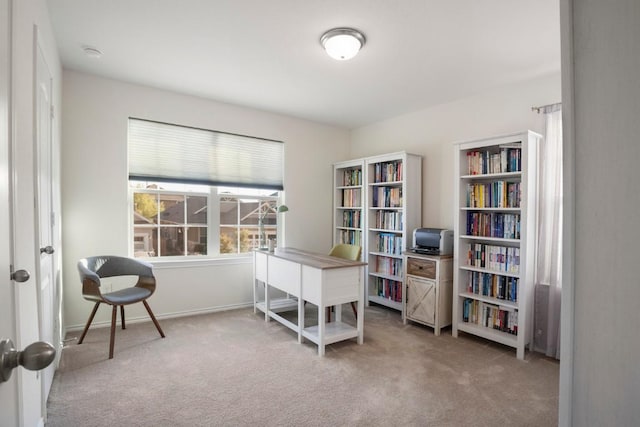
(351, 177)
(388, 289)
(493, 161)
(491, 316)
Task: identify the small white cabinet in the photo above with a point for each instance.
(427, 294)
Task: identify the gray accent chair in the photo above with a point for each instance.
(92, 269)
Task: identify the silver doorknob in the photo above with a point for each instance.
(36, 356)
(20, 276)
(47, 250)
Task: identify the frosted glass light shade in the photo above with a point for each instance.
(342, 43)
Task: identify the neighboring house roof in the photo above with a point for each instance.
(197, 212)
(140, 219)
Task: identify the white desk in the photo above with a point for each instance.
(322, 280)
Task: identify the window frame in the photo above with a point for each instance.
(213, 225)
(238, 224)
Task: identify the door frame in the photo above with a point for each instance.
(565, 392)
(47, 373)
(9, 390)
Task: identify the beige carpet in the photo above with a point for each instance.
(234, 369)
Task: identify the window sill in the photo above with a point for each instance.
(199, 262)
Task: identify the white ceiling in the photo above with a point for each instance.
(266, 54)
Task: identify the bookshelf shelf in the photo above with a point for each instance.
(490, 334)
(490, 209)
(495, 219)
(386, 276)
(490, 239)
(386, 183)
(386, 302)
(491, 176)
(490, 300)
(485, 270)
(385, 254)
(385, 230)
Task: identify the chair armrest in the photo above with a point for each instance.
(86, 273)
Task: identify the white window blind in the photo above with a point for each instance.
(171, 153)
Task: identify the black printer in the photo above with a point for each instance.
(432, 241)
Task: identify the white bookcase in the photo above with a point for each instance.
(495, 223)
(348, 202)
(394, 208)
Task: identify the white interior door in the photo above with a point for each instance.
(44, 179)
(8, 390)
(21, 402)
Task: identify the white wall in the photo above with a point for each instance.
(94, 187)
(431, 133)
(601, 57)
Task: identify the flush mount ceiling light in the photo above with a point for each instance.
(92, 52)
(342, 43)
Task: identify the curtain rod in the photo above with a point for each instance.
(546, 107)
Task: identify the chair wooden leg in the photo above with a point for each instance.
(155, 322)
(114, 314)
(122, 316)
(328, 314)
(355, 310)
(86, 328)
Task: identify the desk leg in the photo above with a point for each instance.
(267, 302)
(255, 295)
(300, 318)
(338, 315)
(360, 319)
(321, 328)
(436, 326)
(255, 285)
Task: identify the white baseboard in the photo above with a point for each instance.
(146, 318)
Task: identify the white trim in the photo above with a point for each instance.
(176, 314)
(233, 259)
(565, 410)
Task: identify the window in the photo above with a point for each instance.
(172, 220)
(169, 223)
(200, 193)
(246, 221)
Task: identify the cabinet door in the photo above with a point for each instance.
(421, 300)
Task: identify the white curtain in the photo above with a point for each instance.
(549, 235)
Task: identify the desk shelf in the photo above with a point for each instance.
(333, 332)
(278, 305)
